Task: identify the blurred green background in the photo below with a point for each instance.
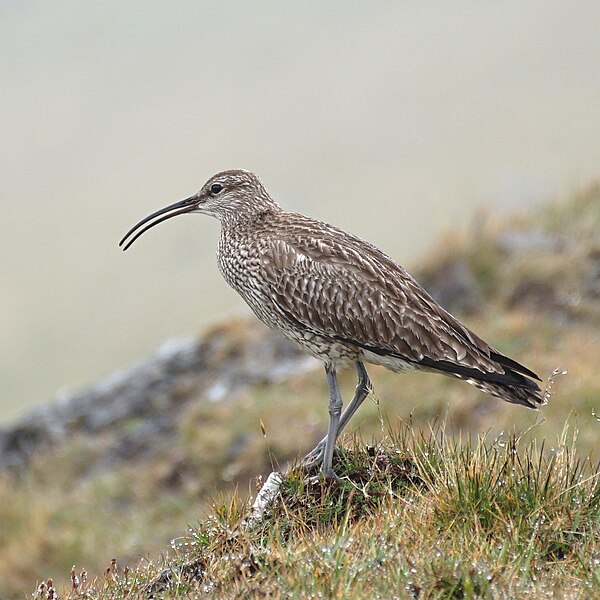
(393, 120)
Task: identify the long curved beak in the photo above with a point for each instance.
(179, 208)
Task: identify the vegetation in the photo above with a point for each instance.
(414, 516)
(424, 511)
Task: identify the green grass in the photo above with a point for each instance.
(414, 516)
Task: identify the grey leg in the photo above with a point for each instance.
(335, 410)
(362, 391)
(315, 456)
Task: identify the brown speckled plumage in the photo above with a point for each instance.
(339, 297)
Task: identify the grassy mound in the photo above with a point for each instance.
(414, 516)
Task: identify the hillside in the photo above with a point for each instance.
(118, 470)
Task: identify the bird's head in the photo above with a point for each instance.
(226, 195)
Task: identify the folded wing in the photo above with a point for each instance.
(345, 289)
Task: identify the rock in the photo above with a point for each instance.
(127, 411)
(454, 286)
(531, 240)
(591, 283)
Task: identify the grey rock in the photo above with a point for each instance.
(126, 412)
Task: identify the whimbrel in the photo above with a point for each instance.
(339, 298)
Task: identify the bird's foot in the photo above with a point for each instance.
(315, 457)
(325, 478)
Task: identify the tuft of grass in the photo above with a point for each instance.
(415, 515)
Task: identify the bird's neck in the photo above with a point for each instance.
(242, 220)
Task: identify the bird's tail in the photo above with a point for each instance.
(530, 395)
(511, 382)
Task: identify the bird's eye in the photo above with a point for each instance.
(216, 188)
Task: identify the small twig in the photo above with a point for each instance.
(550, 384)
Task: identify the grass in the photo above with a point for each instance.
(414, 517)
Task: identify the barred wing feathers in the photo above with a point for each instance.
(342, 288)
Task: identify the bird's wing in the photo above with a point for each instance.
(345, 289)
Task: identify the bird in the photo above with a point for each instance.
(340, 299)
